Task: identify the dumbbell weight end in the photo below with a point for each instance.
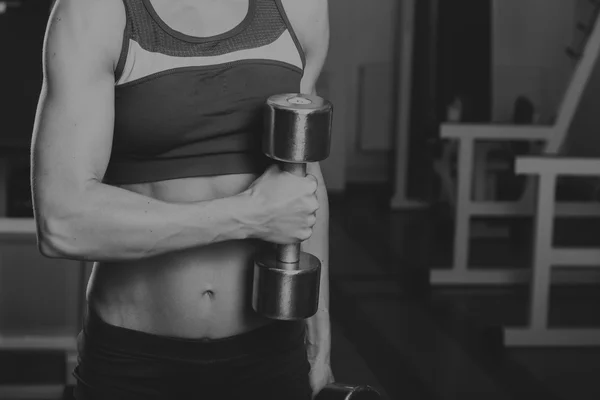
(290, 293)
(340, 391)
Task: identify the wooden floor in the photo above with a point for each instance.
(443, 343)
(393, 331)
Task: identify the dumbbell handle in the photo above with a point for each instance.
(289, 254)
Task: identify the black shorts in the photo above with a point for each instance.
(117, 363)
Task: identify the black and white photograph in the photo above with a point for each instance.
(299, 199)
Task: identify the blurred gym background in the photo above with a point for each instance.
(411, 314)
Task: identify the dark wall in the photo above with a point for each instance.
(465, 57)
(452, 57)
(424, 115)
(583, 137)
(21, 40)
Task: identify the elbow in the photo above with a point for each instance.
(56, 236)
(48, 249)
(59, 210)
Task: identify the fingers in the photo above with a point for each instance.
(306, 234)
(312, 220)
(315, 181)
(315, 206)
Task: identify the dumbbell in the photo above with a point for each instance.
(297, 131)
(340, 391)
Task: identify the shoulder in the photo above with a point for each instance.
(86, 26)
(310, 19)
(89, 15)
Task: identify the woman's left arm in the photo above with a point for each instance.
(319, 326)
(313, 31)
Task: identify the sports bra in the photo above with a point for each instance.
(190, 106)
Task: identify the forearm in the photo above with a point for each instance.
(319, 326)
(318, 338)
(107, 223)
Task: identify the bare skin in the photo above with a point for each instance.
(173, 257)
(199, 292)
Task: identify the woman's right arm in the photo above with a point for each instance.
(79, 217)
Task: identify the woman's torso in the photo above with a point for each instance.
(199, 292)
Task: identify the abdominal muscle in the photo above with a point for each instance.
(204, 292)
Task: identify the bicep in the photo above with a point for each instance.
(315, 38)
(73, 132)
(74, 121)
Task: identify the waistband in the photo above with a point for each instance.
(273, 337)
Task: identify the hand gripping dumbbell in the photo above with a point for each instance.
(298, 131)
(340, 391)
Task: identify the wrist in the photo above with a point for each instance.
(246, 215)
(319, 352)
(320, 321)
(318, 333)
